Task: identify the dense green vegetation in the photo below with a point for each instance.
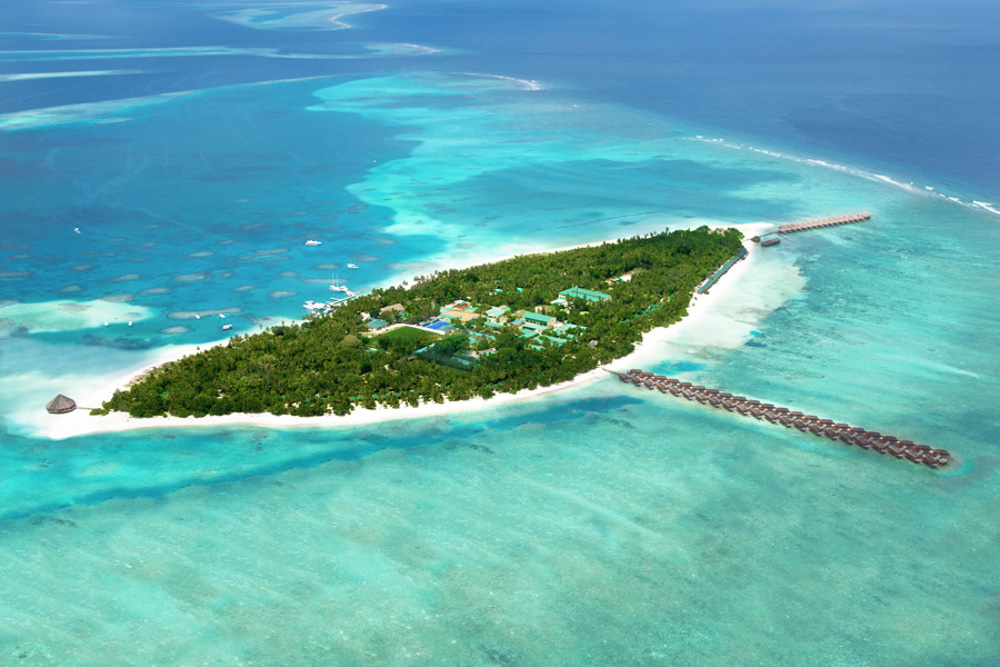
(333, 363)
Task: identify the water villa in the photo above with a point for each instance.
(827, 428)
(61, 405)
(823, 222)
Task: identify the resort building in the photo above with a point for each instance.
(585, 294)
(496, 315)
(540, 318)
(61, 404)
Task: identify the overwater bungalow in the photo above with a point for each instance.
(60, 405)
(942, 456)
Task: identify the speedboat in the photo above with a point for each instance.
(352, 266)
(314, 242)
(227, 327)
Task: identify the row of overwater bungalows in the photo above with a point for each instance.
(827, 428)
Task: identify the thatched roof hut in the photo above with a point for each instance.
(61, 404)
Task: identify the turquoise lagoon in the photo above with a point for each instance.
(601, 525)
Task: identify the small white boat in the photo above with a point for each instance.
(197, 316)
(352, 266)
(106, 324)
(222, 315)
(227, 327)
(130, 322)
(314, 242)
(313, 305)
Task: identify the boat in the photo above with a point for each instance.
(313, 305)
(222, 316)
(352, 266)
(227, 327)
(314, 242)
(336, 286)
(197, 316)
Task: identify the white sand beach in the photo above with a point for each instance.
(704, 309)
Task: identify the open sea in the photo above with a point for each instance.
(163, 162)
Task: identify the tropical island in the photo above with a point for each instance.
(526, 322)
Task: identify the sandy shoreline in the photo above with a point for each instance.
(649, 350)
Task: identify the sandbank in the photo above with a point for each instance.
(651, 349)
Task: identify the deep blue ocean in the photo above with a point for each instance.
(162, 164)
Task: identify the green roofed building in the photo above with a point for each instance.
(538, 318)
(586, 294)
(499, 311)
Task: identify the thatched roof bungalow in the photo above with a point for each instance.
(61, 405)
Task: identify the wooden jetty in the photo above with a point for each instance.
(823, 222)
(827, 428)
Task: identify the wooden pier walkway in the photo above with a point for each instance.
(827, 428)
(823, 222)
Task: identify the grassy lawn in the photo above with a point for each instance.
(411, 335)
